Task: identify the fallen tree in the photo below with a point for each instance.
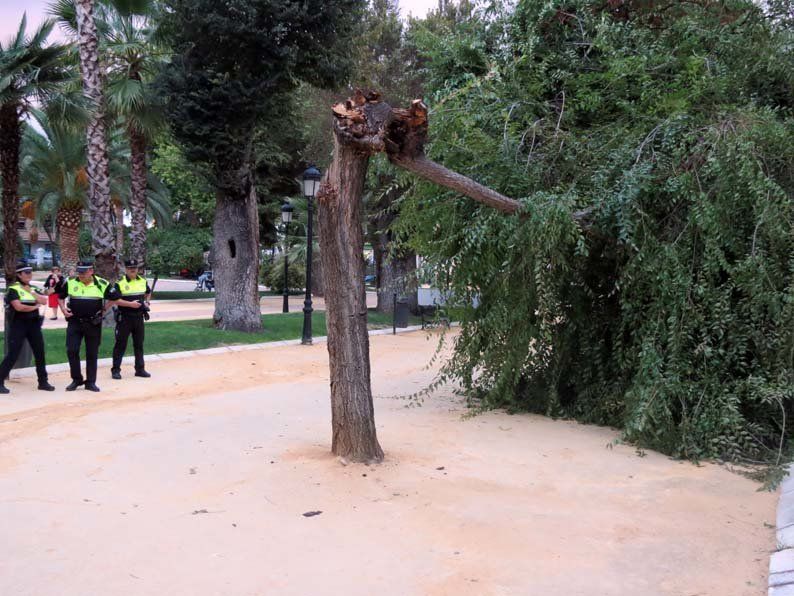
(365, 125)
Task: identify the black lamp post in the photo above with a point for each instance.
(311, 183)
(286, 217)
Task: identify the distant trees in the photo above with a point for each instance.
(125, 38)
(234, 62)
(55, 180)
(29, 71)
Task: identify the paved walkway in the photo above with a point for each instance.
(198, 481)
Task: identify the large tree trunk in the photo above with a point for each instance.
(341, 248)
(10, 140)
(118, 215)
(103, 242)
(235, 264)
(68, 220)
(318, 279)
(138, 195)
(396, 275)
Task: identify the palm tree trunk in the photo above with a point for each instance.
(10, 140)
(103, 242)
(68, 221)
(118, 209)
(138, 194)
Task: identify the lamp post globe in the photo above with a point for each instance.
(311, 184)
(286, 218)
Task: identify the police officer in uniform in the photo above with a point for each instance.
(131, 296)
(86, 294)
(26, 324)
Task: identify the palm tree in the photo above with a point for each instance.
(128, 51)
(131, 56)
(56, 180)
(29, 71)
(102, 239)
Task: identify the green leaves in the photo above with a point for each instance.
(671, 316)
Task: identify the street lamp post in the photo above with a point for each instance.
(286, 218)
(311, 183)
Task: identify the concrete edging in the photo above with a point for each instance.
(21, 373)
(781, 563)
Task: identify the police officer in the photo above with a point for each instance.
(86, 294)
(26, 324)
(131, 296)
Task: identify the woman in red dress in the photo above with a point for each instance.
(51, 286)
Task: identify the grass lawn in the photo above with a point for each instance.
(177, 336)
(190, 295)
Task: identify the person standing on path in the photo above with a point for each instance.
(86, 294)
(52, 285)
(25, 324)
(130, 295)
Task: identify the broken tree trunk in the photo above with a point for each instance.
(363, 125)
(341, 249)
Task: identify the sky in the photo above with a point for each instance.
(11, 13)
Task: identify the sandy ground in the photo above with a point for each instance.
(195, 483)
(183, 310)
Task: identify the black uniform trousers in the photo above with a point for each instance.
(78, 330)
(20, 330)
(129, 324)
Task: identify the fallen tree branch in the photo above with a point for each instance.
(445, 177)
(372, 126)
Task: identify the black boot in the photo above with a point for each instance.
(74, 385)
(142, 373)
(45, 386)
(91, 387)
(115, 374)
(4, 389)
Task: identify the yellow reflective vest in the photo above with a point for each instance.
(77, 289)
(25, 297)
(132, 288)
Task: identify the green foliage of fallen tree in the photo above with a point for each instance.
(668, 312)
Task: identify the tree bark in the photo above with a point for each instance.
(235, 264)
(395, 271)
(341, 246)
(138, 194)
(118, 213)
(10, 140)
(396, 275)
(68, 220)
(102, 238)
(318, 279)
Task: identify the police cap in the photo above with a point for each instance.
(22, 265)
(83, 266)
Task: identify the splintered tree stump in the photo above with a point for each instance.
(341, 249)
(364, 125)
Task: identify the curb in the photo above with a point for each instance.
(781, 563)
(21, 373)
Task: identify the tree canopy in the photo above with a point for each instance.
(670, 312)
(236, 59)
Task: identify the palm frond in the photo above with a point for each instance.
(65, 15)
(125, 95)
